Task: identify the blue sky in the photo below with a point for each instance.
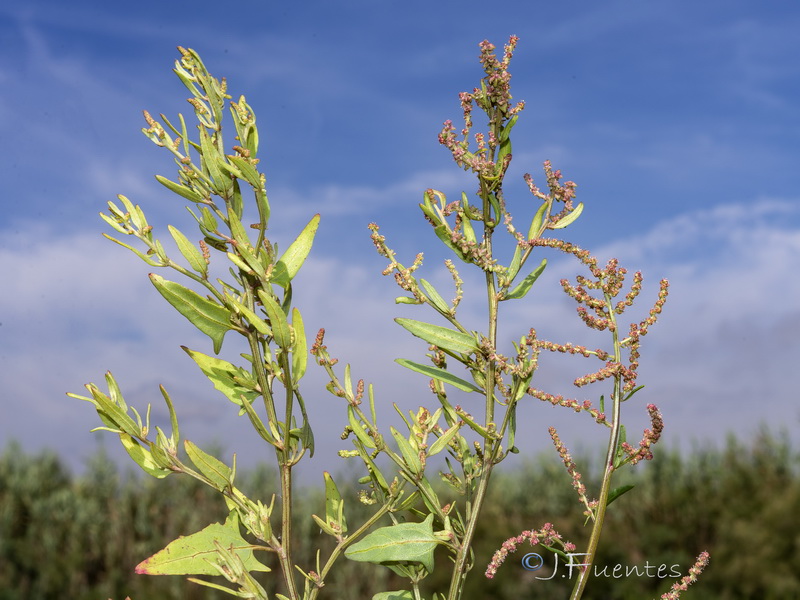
(680, 122)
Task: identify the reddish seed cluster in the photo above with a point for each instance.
(650, 437)
(694, 572)
(559, 400)
(558, 192)
(572, 469)
(320, 351)
(494, 98)
(547, 536)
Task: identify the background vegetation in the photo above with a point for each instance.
(64, 536)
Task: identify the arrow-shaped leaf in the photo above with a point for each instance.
(209, 317)
(218, 472)
(224, 376)
(405, 542)
(196, 555)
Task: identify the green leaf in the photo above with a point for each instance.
(290, 262)
(334, 507)
(617, 492)
(217, 472)
(405, 542)
(227, 378)
(150, 261)
(443, 441)
(247, 170)
(444, 338)
(142, 457)
(220, 181)
(179, 189)
(516, 262)
(277, 320)
(113, 411)
(525, 285)
(208, 219)
(189, 251)
(256, 321)
(358, 428)
(300, 348)
(209, 317)
(466, 223)
(410, 455)
(570, 218)
(237, 229)
(507, 128)
(434, 296)
(196, 554)
(536, 222)
(396, 595)
(443, 232)
(439, 374)
(505, 149)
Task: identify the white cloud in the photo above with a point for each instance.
(720, 359)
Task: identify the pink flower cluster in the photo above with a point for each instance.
(547, 536)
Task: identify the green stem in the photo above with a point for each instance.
(342, 546)
(605, 489)
(285, 550)
(490, 447)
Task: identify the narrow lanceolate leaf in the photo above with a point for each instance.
(300, 348)
(248, 171)
(444, 338)
(150, 261)
(508, 127)
(524, 286)
(229, 379)
(443, 441)
(209, 317)
(217, 472)
(190, 252)
(434, 296)
(277, 320)
(536, 222)
(570, 218)
(179, 189)
(220, 181)
(617, 492)
(358, 429)
(196, 554)
(405, 542)
(290, 262)
(439, 374)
